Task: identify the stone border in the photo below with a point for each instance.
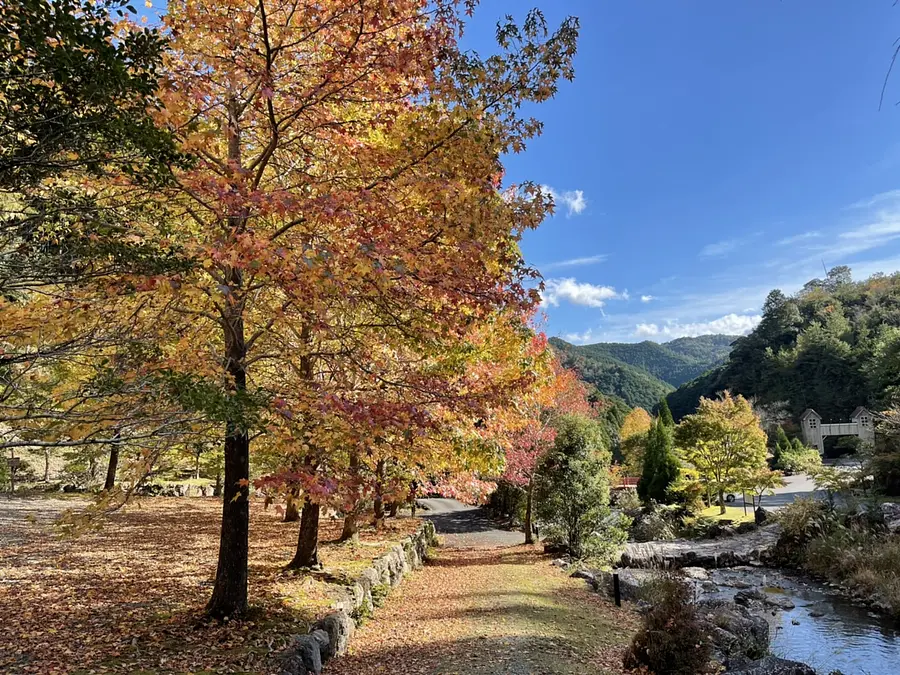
(330, 636)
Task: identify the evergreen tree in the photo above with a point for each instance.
(782, 445)
(660, 465)
(665, 415)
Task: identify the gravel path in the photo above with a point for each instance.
(26, 518)
(464, 526)
(488, 604)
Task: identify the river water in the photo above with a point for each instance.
(823, 629)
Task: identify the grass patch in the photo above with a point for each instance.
(735, 513)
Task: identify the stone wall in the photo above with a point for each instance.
(331, 635)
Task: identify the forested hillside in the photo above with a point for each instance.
(644, 372)
(833, 346)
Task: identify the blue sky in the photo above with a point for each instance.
(706, 153)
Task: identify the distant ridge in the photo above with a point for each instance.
(642, 373)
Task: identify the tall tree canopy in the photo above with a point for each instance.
(343, 291)
(722, 440)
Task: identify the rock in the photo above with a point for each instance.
(816, 613)
(302, 657)
(891, 514)
(583, 574)
(695, 573)
(729, 552)
(720, 532)
(749, 598)
(745, 528)
(560, 562)
(779, 601)
(339, 628)
(772, 665)
(734, 630)
(631, 582)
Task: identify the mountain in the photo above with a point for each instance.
(642, 373)
(833, 346)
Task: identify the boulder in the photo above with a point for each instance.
(631, 582)
(735, 631)
(302, 657)
(695, 573)
(339, 627)
(772, 665)
(750, 597)
(581, 573)
(891, 514)
(745, 528)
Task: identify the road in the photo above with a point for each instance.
(797, 487)
(464, 526)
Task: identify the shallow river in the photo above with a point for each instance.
(823, 629)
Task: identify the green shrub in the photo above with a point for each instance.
(798, 458)
(572, 496)
(885, 470)
(508, 501)
(627, 500)
(671, 640)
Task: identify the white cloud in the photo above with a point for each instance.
(573, 200)
(580, 338)
(720, 248)
(797, 238)
(730, 324)
(575, 262)
(578, 293)
(647, 298)
(890, 195)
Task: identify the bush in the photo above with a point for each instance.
(671, 640)
(572, 496)
(654, 524)
(508, 501)
(799, 458)
(627, 500)
(885, 470)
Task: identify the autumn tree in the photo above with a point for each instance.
(559, 393)
(633, 439)
(720, 440)
(345, 210)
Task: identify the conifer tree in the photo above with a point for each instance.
(660, 464)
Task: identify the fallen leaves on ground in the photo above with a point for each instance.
(491, 610)
(129, 598)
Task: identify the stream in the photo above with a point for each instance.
(823, 628)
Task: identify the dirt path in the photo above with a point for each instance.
(484, 610)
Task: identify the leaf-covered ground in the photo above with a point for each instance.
(129, 598)
(490, 610)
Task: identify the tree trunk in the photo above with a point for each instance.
(379, 497)
(392, 510)
(529, 498)
(350, 532)
(291, 512)
(722, 510)
(413, 490)
(217, 488)
(307, 554)
(46, 465)
(197, 465)
(229, 596)
(110, 482)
